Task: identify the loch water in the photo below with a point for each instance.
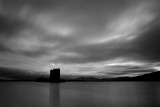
(80, 94)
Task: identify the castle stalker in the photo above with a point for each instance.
(55, 75)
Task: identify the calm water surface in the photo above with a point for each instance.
(80, 94)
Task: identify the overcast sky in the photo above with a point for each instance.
(82, 37)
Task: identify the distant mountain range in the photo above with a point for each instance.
(9, 74)
(154, 76)
(18, 74)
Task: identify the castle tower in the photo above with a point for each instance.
(55, 75)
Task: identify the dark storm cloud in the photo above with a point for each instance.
(148, 43)
(10, 26)
(3, 48)
(36, 53)
(145, 47)
(99, 52)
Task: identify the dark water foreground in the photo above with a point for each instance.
(80, 94)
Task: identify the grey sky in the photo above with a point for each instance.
(82, 37)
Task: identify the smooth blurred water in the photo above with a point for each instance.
(80, 94)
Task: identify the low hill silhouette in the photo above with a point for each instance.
(12, 74)
(154, 76)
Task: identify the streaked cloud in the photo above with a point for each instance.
(82, 37)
